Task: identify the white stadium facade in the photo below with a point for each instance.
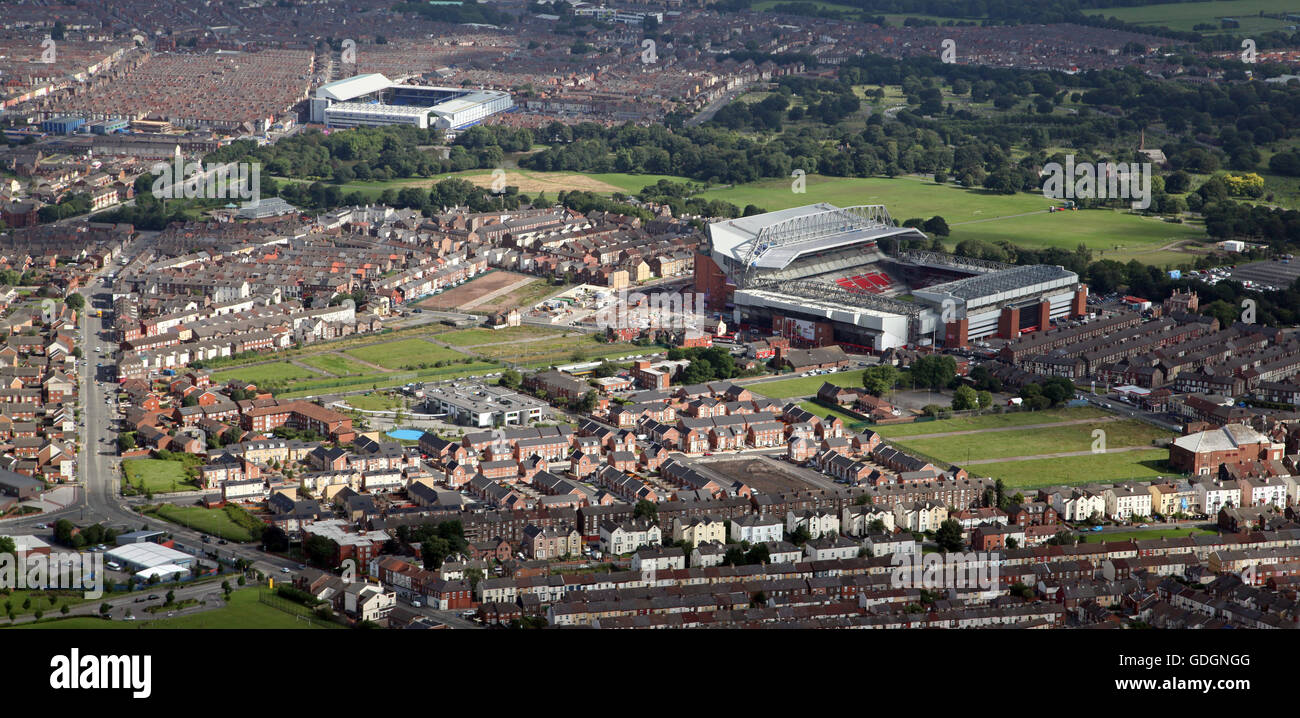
(372, 100)
(817, 275)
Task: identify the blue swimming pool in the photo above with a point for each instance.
(406, 434)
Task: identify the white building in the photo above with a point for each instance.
(818, 523)
(755, 528)
(1214, 494)
(1128, 500)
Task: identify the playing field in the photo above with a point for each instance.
(336, 364)
(156, 475)
(405, 354)
(961, 448)
(1185, 16)
(273, 372)
(552, 183)
(1099, 468)
(804, 385)
(989, 421)
(477, 337)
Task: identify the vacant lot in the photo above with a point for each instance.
(336, 364)
(473, 290)
(1100, 468)
(210, 521)
(760, 475)
(989, 421)
(156, 475)
(405, 354)
(1141, 535)
(1032, 442)
(476, 337)
(374, 402)
(805, 385)
(273, 372)
(243, 611)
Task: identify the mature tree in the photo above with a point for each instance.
(935, 370)
(965, 398)
(647, 510)
(879, 379)
(948, 536)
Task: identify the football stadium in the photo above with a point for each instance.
(370, 100)
(818, 275)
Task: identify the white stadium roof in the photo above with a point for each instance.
(353, 87)
(775, 239)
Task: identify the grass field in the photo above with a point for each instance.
(243, 611)
(386, 380)
(274, 372)
(336, 364)
(805, 385)
(1101, 468)
(476, 337)
(1185, 16)
(404, 354)
(210, 521)
(992, 216)
(529, 182)
(989, 421)
(1046, 440)
(852, 423)
(157, 475)
(1147, 535)
(40, 600)
(374, 402)
(560, 350)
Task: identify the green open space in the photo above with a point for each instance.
(244, 610)
(805, 385)
(989, 421)
(1147, 535)
(210, 521)
(1185, 16)
(157, 475)
(387, 380)
(476, 337)
(1034, 442)
(374, 402)
(405, 354)
(1092, 468)
(336, 364)
(271, 372)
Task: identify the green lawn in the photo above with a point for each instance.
(210, 521)
(404, 354)
(157, 475)
(805, 385)
(374, 402)
(336, 364)
(475, 337)
(989, 421)
(851, 422)
(1147, 535)
(385, 381)
(274, 372)
(1099, 468)
(1185, 16)
(40, 601)
(1047, 440)
(243, 611)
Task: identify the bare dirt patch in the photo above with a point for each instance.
(551, 183)
(474, 290)
(760, 476)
